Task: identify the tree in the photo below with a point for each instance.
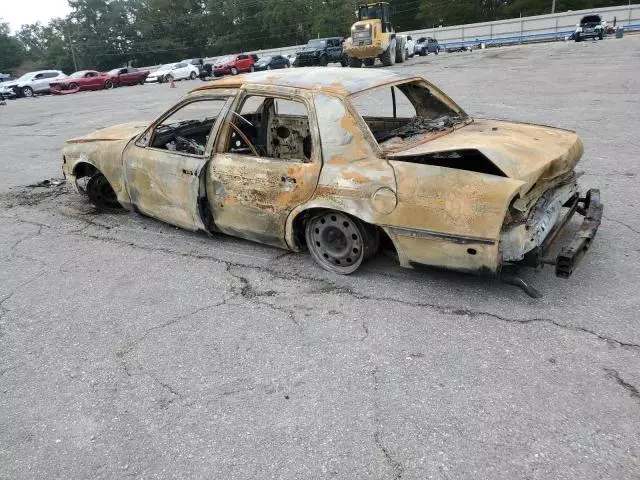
(11, 49)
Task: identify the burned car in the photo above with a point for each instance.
(340, 161)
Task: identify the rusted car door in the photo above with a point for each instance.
(251, 195)
(164, 181)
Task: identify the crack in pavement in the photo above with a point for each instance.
(329, 287)
(396, 467)
(623, 224)
(632, 389)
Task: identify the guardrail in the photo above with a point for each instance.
(540, 28)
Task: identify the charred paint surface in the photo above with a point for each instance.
(436, 215)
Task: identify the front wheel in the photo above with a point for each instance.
(108, 85)
(168, 78)
(100, 192)
(324, 61)
(338, 242)
(355, 62)
(234, 71)
(27, 92)
(192, 76)
(73, 86)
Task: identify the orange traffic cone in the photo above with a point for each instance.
(173, 83)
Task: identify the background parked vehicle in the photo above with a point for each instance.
(82, 80)
(460, 48)
(175, 71)
(322, 51)
(591, 26)
(427, 45)
(411, 46)
(31, 83)
(271, 63)
(233, 64)
(127, 76)
(196, 62)
(5, 77)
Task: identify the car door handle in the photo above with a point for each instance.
(188, 172)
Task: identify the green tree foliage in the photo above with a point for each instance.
(103, 34)
(11, 50)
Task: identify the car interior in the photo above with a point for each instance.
(187, 130)
(398, 113)
(271, 127)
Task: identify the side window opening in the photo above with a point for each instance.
(275, 128)
(187, 130)
(402, 114)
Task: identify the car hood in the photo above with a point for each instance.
(308, 50)
(12, 83)
(526, 152)
(124, 131)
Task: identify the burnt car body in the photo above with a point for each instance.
(290, 158)
(590, 26)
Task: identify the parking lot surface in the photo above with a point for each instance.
(132, 349)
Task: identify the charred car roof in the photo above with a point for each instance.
(344, 81)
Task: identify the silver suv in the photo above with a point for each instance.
(31, 83)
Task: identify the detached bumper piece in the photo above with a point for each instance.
(572, 253)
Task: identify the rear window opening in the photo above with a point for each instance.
(469, 160)
(402, 114)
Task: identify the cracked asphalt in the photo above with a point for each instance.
(132, 349)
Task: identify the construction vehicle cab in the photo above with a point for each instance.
(373, 36)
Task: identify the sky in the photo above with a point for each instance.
(19, 12)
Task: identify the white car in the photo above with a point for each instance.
(411, 46)
(175, 71)
(31, 83)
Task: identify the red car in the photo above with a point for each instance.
(82, 80)
(128, 76)
(233, 64)
(93, 80)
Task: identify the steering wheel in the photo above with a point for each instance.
(188, 145)
(244, 138)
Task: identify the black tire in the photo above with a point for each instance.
(100, 192)
(344, 61)
(192, 76)
(168, 78)
(601, 35)
(369, 62)
(26, 92)
(337, 242)
(108, 85)
(141, 81)
(73, 86)
(234, 71)
(578, 37)
(323, 61)
(388, 58)
(355, 62)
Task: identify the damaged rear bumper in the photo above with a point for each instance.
(591, 208)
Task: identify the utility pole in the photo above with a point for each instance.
(553, 6)
(73, 52)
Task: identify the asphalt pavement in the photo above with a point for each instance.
(132, 349)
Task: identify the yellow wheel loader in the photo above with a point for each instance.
(373, 36)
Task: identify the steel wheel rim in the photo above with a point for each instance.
(28, 92)
(101, 193)
(336, 242)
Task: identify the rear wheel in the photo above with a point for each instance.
(168, 78)
(192, 75)
(338, 242)
(26, 92)
(234, 71)
(323, 61)
(141, 81)
(100, 192)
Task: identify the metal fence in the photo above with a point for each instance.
(550, 27)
